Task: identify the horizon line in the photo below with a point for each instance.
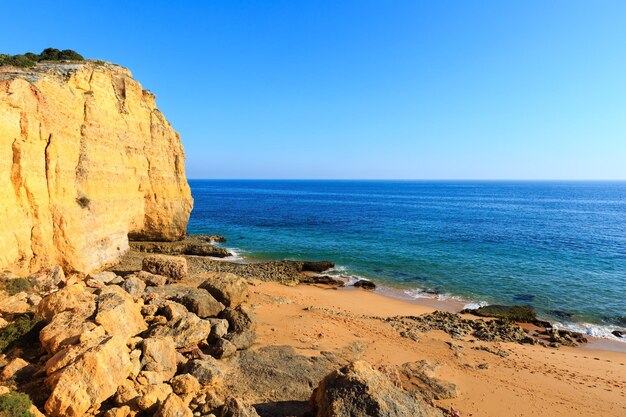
(418, 179)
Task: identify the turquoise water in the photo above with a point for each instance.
(557, 246)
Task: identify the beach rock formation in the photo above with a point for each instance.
(359, 390)
(87, 161)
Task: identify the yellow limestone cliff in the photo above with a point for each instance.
(86, 160)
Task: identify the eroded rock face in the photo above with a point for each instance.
(359, 390)
(87, 160)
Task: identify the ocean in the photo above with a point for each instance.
(559, 247)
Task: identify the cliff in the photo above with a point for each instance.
(87, 161)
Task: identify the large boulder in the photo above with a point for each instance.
(118, 313)
(200, 302)
(241, 326)
(206, 370)
(86, 375)
(186, 329)
(64, 329)
(359, 390)
(227, 288)
(173, 267)
(159, 355)
(74, 298)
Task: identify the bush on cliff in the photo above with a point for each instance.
(15, 404)
(30, 59)
(22, 332)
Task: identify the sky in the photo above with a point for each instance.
(364, 89)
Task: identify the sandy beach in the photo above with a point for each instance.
(528, 381)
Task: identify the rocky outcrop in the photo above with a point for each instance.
(87, 161)
(359, 390)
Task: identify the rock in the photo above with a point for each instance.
(187, 331)
(47, 280)
(618, 333)
(365, 284)
(417, 377)
(200, 302)
(64, 329)
(126, 392)
(234, 407)
(227, 288)
(105, 277)
(224, 348)
(16, 368)
(219, 329)
(318, 267)
(206, 371)
(519, 314)
(123, 411)
(134, 286)
(241, 325)
(186, 386)
(154, 397)
(323, 280)
(173, 406)
(151, 280)
(118, 313)
(159, 355)
(71, 298)
(97, 160)
(173, 267)
(190, 245)
(85, 375)
(565, 337)
(359, 390)
(17, 303)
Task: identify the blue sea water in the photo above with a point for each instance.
(557, 246)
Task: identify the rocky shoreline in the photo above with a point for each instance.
(173, 335)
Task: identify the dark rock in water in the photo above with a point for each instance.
(561, 314)
(323, 279)
(618, 333)
(359, 390)
(320, 266)
(211, 238)
(520, 314)
(525, 298)
(365, 284)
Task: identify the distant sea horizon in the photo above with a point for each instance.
(556, 245)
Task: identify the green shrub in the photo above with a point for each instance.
(16, 285)
(15, 404)
(22, 332)
(30, 59)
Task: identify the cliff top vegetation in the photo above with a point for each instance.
(30, 59)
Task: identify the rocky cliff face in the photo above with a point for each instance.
(86, 161)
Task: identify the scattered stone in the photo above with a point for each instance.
(234, 407)
(227, 288)
(48, 279)
(16, 368)
(200, 302)
(17, 303)
(223, 348)
(187, 330)
(134, 286)
(359, 390)
(186, 386)
(365, 284)
(118, 313)
(173, 267)
(219, 329)
(564, 337)
(65, 329)
(104, 277)
(493, 351)
(153, 398)
(206, 370)
(159, 355)
(241, 325)
(151, 280)
(418, 378)
(173, 406)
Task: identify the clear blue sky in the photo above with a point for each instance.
(365, 89)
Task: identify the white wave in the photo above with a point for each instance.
(594, 330)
